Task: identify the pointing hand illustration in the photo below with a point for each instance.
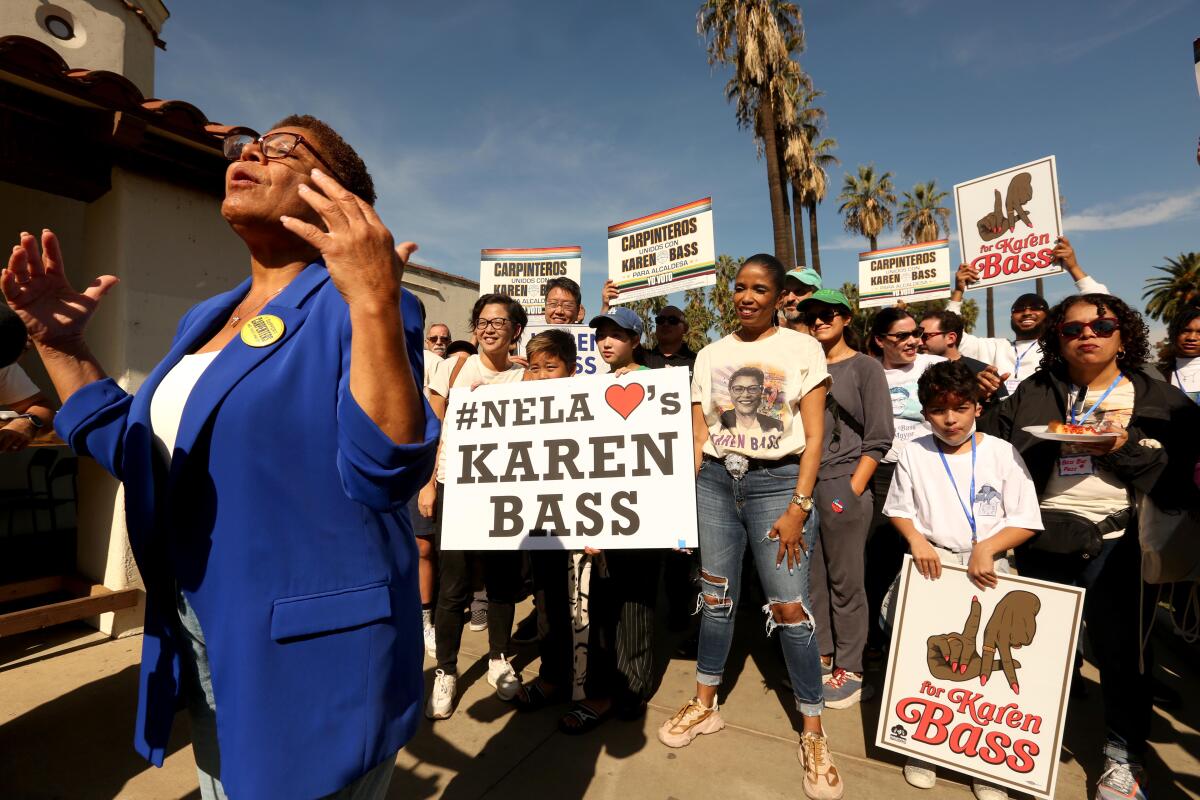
(955, 656)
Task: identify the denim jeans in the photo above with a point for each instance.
(202, 713)
(734, 515)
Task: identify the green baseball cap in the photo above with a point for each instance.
(808, 276)
(830, 297)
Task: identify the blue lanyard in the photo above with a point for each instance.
(1020, 355)
(969, 510)
(1088, 413)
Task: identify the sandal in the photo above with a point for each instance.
(533, 696)
(588, 720)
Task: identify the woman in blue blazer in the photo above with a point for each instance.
(267, 461)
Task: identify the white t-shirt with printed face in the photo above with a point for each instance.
(906, 406)
(750, 392)
(473, 372)
(921, 491)
(1186, 376)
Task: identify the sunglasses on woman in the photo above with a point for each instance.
(1103, 327)
(903, 336)
(826, 315)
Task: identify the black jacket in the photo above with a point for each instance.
(1160, 412)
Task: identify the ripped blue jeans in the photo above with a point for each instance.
(734, 515)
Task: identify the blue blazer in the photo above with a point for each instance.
(282, 520)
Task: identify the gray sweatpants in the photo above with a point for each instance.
(838, 591)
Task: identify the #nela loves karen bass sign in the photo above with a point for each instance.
(564, 464)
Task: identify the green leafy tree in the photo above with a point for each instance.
(867, 200)
(720, 296)
(923, 218)
(700, 317)
(814, 184)
(1168, 294)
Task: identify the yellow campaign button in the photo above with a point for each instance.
(262, 330)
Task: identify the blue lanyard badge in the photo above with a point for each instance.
(968, 508)
(1095, 405)
(1017, 367)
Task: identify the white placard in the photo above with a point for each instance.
(600, 461)
(522, 274)
(1006, 726)
(912, 273)
(669, 251)
(587, 354)
(1008, 223)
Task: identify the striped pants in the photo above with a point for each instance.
(623, 606)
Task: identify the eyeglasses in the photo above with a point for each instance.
(738, 391)
(927, 335)
(1023, 309)
(274, 146)
(437, 339)
(1103, 327)
(668, 319)
(498, 324)
(826, 315)
(903, 336)
(565, 305)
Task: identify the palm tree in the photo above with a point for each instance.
(757, 38)
(923, 218)
(797, 136)
(1179, 287)
(867, 201)
(700, 317)
(815, 184)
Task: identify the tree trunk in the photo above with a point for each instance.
(874, 243)
(812, 235)
(1041, 292)
(991, 313)
(779, 216)
(798, 226)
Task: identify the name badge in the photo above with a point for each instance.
(1011, 385)
(1073, 466)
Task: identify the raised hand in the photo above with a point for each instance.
(1013, 624)
(1020, 192)
(965, 276)
(993, 225)
(607, 295)
(36, 287)
(363, 262)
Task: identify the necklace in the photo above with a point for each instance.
(237, 312)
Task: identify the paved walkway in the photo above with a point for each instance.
(67, 702)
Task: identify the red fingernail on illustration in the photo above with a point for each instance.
(982, 679)
(954, 666)
(1016, 689)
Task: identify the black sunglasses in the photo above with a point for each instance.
(670, 319)
(1103, 327)
(826, 315)
(903, 336)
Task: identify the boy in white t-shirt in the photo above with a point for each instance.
(959, 497)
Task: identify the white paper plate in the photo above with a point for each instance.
(1080, 438)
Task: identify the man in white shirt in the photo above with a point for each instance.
(1017, 358)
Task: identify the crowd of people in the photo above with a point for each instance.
(819, 458)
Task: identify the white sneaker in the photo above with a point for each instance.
(430, 642)
(441, 699)
(503, 677)
(920, 774)
(988, 791)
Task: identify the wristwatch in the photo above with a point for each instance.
(804, 501)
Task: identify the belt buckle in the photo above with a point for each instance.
(737, 465)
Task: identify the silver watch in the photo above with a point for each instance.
(804, 501)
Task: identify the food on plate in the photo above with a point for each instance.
(1054, 426)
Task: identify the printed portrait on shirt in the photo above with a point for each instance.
(988, 502)
(754, 410)
(905, 403)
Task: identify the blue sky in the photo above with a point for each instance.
(510, 123)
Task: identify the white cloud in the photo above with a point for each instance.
(1146, 211)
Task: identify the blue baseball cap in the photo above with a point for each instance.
(807, 276)
(622, 317)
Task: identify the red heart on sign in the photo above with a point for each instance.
(624, 399)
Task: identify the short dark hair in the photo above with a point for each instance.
(1135, 336)
(460, 346)
(554, 342)
(947, 379)
(883, 323)
(566, 284)
(351, 171)
(1171, 351)
(13, 336)
(949, 322)
(771, 264)
(753, 372)
(516, 311)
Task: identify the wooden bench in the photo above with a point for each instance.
(85, 599)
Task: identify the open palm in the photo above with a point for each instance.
(36, 287)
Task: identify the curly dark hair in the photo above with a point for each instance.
(947, 379)
(1170, 352)
(351, 171)
(1135, 335)
(757, 374)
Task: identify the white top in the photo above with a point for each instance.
(166, 406)
(906, 406)
(921, 491)
(750, 392)
(15, 385)
(473, 371)
(1019, 359)
(432, 360)
(1186, 376)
